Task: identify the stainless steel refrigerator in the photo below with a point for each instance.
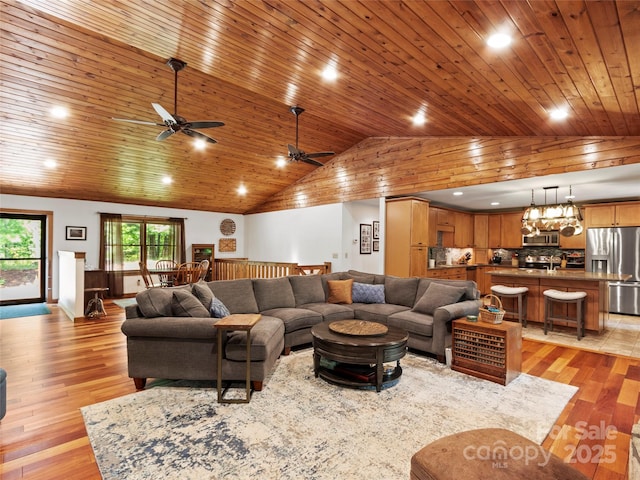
(617, 250)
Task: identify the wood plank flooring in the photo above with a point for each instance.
(56, 366)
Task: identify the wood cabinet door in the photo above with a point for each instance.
(574, 241)
(463, 233)
(495, 229)
(600, 216)
(510, 234)
(418, 261)
(481, 231)
(397, 238)
(628, 215)
(419, 223)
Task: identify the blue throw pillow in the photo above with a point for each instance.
(218, 309)
(366, 293)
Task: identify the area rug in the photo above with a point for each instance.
(23, 310)
(125, 302)
(301, 427)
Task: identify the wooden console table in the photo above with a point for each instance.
(485, 350)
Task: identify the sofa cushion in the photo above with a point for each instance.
(400, 291)
(340, 291)
(376, 312)
(378, 278)
(307, 289)
(273, 293)
(365, 293)
(331, 312)
(413, 322)
(438, 295)
(237, 295)
(202, 291)
(186, 304)
(295, 318)
(156, 302)
(217, 309)
(266, 336)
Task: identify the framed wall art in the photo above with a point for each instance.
(376, 230)
(76, 233)
(365, 238)
(376, 245)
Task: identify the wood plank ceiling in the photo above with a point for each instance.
(248, 61)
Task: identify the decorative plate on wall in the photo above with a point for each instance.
(227, 227)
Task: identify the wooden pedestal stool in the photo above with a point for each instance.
(520, 293)
(551, 296)
(95, 306)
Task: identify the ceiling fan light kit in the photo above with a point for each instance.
(174, 122)
(567, 219)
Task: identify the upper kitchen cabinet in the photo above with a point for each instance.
(406, 236)
(481, 230)
(625, 214)
(441, 227)
(463, 230)
(504, 230)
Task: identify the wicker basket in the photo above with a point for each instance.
(491, 317)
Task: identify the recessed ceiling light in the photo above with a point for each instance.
(558, 114)
(242, 190)
(499, 40)
(59, 112)
(457, 194)
(49, 163)
(493, 204)
(419, 118)
(330, 73)
(167, 180)
(199, 144)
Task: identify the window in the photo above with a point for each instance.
(128, 240)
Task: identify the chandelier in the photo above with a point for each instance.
(567, 219)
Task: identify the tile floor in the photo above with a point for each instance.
(621, 336)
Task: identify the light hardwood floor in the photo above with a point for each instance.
(56, 366)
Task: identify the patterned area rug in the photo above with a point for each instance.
(301, 427)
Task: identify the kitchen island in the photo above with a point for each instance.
(596, 285)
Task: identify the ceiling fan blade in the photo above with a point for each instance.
(141, 122)
(293, 151)
(166, 116)
(198, 135)
(205, 124)
(311, 161)
(320, 154)
(164, 134)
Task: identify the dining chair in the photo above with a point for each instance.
(167, 277)
(146, 276)
(188, 272)
(204, 269)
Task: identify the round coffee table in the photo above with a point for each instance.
(357, 359)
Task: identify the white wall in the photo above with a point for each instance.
(200, 227)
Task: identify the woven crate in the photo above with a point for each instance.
(491, 317)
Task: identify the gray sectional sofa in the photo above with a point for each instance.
(170, 331)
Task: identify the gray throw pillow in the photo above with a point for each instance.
(185, 304)
(156, 302)
(438, 295)
(202, 291)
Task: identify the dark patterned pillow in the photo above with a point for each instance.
(218, 309)
(367, 293)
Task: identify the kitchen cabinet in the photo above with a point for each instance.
(463, 230)
(441, 227)
(406, 227)
(504, 230)
(625, 214)
(481, 231)
(449, 273)
(574, 241)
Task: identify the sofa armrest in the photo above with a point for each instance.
(442, 318)
(170, 327)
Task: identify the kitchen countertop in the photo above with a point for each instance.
(567, 274)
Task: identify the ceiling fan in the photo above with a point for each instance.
(297, 155)
(175, 123)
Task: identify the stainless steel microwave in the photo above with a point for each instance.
(543, 239)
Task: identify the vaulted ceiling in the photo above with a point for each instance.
(248, 61)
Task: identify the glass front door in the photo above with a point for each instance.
(22, 258)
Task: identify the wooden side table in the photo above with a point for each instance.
(485, 350)
(238, 321)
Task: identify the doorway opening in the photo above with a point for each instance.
(23, 262)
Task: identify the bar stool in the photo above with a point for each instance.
(502, 291)
(95, 306)
(551, 296)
